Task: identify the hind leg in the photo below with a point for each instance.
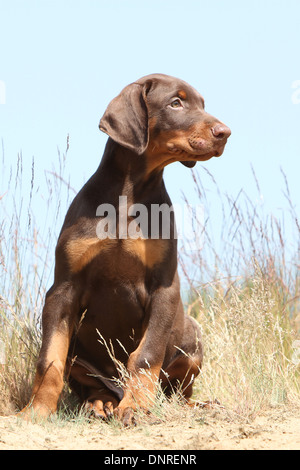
(181, 372)
(180, 376)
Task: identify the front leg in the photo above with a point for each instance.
(57, 323)
(145, 363)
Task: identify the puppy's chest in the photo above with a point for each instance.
(106, 255)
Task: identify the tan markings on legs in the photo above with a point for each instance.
(48, 382)
(140, 387)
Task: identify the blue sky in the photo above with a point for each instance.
(62, 61)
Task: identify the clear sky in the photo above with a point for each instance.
(62, 61)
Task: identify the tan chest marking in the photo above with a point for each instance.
(81, 252)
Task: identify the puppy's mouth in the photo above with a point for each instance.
(191, 154)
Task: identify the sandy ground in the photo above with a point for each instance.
(214, 429)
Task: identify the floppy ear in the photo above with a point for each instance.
(126, 118)
(189, 164)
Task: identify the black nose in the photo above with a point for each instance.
(220, 131)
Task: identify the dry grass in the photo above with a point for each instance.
(249, 310)
(244, 290)
(30, 221)
(248, 348)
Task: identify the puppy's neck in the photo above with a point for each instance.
(129, 172)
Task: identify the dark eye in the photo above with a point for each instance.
(176, 103)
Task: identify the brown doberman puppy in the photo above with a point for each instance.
(114, 309)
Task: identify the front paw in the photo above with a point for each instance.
(35, 413)
(126, 415)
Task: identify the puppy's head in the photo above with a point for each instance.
(164, 118)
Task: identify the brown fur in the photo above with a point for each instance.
(120, 296)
